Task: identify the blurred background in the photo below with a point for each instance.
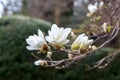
(56, 11)
(21, 18)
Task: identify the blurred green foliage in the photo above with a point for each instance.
(16, 62)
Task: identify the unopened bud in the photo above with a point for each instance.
(70, 56)
(106, 28)
(73, 35)
(94, 47)
(41, 63)
(49, 54)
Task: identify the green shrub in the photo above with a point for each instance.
(16, 62)
(14, 57)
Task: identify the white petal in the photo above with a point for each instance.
(65, 42)
(54, 28)
(39, 41)
(36, 38)
(32, 48)
(49, 39)
(40, 34)
(78, 39)
(62, 42)
(90, 42)
(50, 34)
(66, 32)
(63, 35)
(31, 40)
(85, 39)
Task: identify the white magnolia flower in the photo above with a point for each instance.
(81, 43)
(93, 8)
(37, 42)
(58, 36)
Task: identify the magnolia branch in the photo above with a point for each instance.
(80, 49)
(111, 36)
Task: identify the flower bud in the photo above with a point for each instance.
(106, 28)
(70, 56)
(41, 63)
(81, 43)
(94, 47)
(73, 35)
(49, 54)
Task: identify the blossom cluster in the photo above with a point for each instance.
(57, 38)
(58, 50)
